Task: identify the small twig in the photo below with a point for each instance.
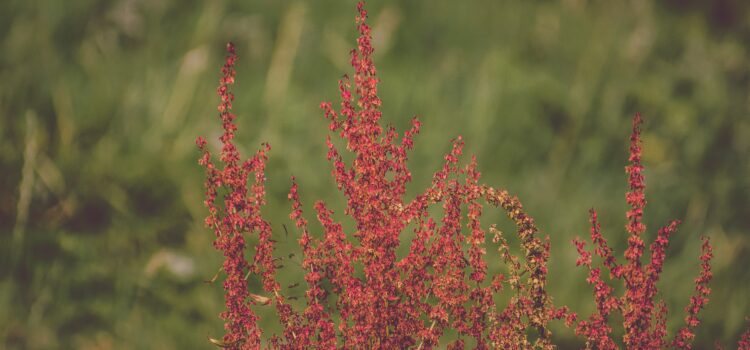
(430, 330)
(213, 279)
(221, 343)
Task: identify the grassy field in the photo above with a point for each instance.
(101, 238)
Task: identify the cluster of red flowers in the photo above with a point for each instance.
(381, 301)
(644, 320)
(239, 215)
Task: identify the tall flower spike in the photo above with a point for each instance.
(684, 337)
(637, 306)
(644, 317)
(228, 222)
(596, 330)
(239, 215)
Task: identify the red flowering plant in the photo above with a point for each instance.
(442, 284)
(644, 318)
(359, 294)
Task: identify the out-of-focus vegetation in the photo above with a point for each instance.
(101, 237)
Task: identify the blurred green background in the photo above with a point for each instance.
(101, 237)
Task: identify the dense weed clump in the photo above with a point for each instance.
(360, 295)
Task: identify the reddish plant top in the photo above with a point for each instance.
(239, 215)
(442, 283)
(644, 318)
(360, 295)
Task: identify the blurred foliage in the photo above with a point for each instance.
(101, 237)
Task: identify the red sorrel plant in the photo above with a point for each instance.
(441, 285)
(644, 318)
